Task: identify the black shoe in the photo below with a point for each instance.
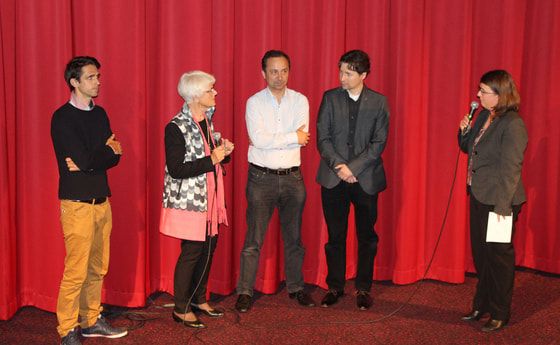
(331, 298)
(474, 315)
(71, 338)
(303, 298)
(493, 325)
(243, 303)
(363, 300)
(192, 324)
(102, 328)
(214, 312)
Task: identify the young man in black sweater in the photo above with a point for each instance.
(85, 149)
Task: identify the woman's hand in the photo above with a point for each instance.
(464, 125)
(500, 217)
(218, 154)
(228, 146)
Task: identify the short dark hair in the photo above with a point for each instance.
(357, 60)
(272, 54)
(502, 83)
(74, 68)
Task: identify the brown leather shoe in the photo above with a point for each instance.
(331, 298)
(493, 325)
(363, 300)
(243, 303)
(303, 298)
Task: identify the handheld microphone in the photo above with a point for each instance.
(474, 106)
(217, 136)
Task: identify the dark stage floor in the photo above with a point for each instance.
(430, 317)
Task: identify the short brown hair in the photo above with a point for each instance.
(501, 82)
(357, 60)
(74, 68)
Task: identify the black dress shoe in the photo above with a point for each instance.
(192, 324)
(243, 303)
(493, 325)
(214, 312)
(363, 300)
(303, 298)
(474, 315)
(331, 298)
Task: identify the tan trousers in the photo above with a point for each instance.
(87, 230)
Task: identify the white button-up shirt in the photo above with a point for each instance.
(272, 128)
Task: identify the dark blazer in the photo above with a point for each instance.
(372, 127)
(497, 160)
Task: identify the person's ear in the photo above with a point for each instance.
(74, 82)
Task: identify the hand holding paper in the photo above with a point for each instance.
(499, 230)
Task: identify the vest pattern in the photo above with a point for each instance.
(189, 193)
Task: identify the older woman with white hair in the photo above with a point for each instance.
(193, 194)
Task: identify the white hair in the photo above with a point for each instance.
(193, 84)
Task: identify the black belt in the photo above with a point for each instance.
(92, 201)
(275, 172)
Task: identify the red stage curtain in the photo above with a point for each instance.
(427, 58)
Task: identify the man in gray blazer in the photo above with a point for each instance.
(352, 128)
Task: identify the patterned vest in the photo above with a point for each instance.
(189, 193)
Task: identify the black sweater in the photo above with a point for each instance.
(81, 135)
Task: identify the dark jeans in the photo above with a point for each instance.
(264, 193)
(494, 263)
(336, 207)
(191, 272)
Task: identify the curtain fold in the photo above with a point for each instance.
(9, 302)
(427, 58)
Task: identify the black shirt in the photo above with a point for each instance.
(353, 108)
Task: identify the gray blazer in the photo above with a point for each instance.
(497, 160)
(372, 127)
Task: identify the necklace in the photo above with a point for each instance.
(208, 134)
(203, 118)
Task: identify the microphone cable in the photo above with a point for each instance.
(209, 241)
(208, 231)
(421, 281)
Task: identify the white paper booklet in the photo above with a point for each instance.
(499, 232)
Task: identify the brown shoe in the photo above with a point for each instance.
(331, 298)
(243, 303)
(303, 298)
(493, 325)
(363, 300)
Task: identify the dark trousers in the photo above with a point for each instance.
(191, 272)
(336, 207)
(494, 263)
(265, 192)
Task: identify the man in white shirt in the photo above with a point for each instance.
(278, 123)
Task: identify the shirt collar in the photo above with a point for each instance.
(78, 103)
(271, 96)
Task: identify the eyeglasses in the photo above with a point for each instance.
(212, 91)
(484, 92)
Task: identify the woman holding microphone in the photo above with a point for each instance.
(495, 145)
(193, 194)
